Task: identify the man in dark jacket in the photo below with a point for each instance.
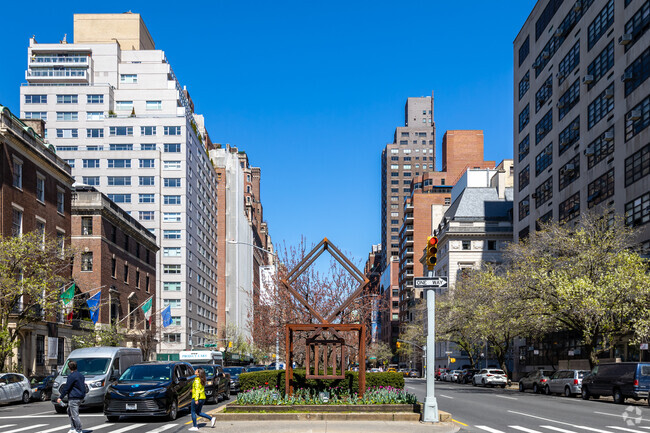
(75, 389)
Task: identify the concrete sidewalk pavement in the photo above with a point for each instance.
(330, 427)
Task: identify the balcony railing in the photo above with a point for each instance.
(47, 72)
(58, 60)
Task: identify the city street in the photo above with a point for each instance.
(39, 417)
(494, 410)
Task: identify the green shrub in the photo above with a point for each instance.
(275, 378)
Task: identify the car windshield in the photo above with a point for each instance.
(36, 380)
(249, 369)
(233, 370)
(88, 366)
(209, 370)
(497, 372)
(144, 372)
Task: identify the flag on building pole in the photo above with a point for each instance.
(93, 305)
(146, 308)
(166, 315)
(68, 300)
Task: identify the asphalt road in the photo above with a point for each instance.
(39, 417)
(496, 410)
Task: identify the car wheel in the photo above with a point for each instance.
(112, 418)
(25, 397)
(173, 411)
(618, 396)
(44, 396)
(567, 392)
(585, 393)
(521, 387)
(60, 409)
(535, 388)
(547, 390)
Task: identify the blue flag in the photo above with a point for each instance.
(166, 315)
(93, 305)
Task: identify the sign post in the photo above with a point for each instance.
(430, 285)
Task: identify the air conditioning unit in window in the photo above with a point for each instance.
(546, 54)
(564, 143)
(548, 151)
(569, 168)
(634, 115)
(628, 76)
(577, 7)
(589, 151)
(609, 93)
(625, 39)
(559, 75)
(588, 79)
(576, 126)
(608, 136)
(559, 32)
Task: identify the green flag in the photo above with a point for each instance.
(68, 294)
(146, 308)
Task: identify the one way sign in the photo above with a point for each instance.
(430, 282)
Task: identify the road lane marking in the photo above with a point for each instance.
(67, 426)
(461, 423)
(162, 428)
(489, 429)
(561, 430)
(560, 422)
(83, 415)
(509, 398)
(446, 396)
(7, 425)
(621, 416)
(524, 429)
(16, 430)
(127, 428)
(625, 429)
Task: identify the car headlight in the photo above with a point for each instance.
(55, 385)
(97, 384)
(154, 391)
(209, 382)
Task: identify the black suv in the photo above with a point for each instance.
(150, 388)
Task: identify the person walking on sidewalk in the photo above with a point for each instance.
(198, 398)
(75, 389)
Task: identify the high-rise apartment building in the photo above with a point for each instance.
(581, 112)
(117, 114)
(411, 154)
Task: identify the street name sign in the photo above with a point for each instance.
(430, 282)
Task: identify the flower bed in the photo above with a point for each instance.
(382, 395)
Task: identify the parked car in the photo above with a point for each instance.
(391, 370)
(100, 366)
(414, 373)
(234, 373)
(620, 380)
(217, 382)
(440, 372)
(404, 371)
(41, 387)
(467, 375)
(14, 387)
(490, 377)
(535, 380)
(252, 368)
(567, 382)
(150, 389)
(452, 376)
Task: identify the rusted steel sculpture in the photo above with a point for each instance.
(325, 350)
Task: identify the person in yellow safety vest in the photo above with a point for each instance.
(198, 398)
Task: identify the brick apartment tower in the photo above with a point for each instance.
(411, 154)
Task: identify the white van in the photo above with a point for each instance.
(100, 366)
(196, 357)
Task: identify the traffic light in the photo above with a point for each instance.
(398, 344)
(432, 250)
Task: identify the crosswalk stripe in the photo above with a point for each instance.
(162, 428)
(625, 429)
(524, 429)
(16, 430)
(67, 426)
(100, 426)
(489, 429)
(561, 430)
(127, 428)
(7, 425)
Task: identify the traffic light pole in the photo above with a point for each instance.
(430, 402)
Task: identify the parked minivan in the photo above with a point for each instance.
(621, 380)
(100, 366)
(567, 382)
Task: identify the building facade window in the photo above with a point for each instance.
(637, 119)
(172, 130)
(35, 99)
(87, 261)
(637, 165)
(524, 50)
(569, 99)
(637, 211)
(524, 85)
(16, 222)
(91, 163)
(94, 133)
(146, 215)
(120, 198)
(67, 99)
(569, 172)
(544, 126)
(544, 159)
(524, 117)
(60, 201)
(86, 226)
(544, 192)
(119, 163)
(146, 180)
(172, 148)
(67, 133)
(601, 106)
(638, 24)
(601, 65)
(544, 93)
(600, 24)
(148, 130)
(524, 208)
(600, 189)
(171, 234)
(174, 182)
(569, 136)
(123, 105)
(147, 163)
(95, 99)
(129, 78)
(120, 131)
(171, 269)
(637, 72)
(119, 180)
(568, 63)
(600, 148)
(569, 208)
(146, 198)
(17, 173)
(90, 180)
(154, 105)
(172, 199)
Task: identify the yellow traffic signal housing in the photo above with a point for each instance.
(432, 251)
(398, 344)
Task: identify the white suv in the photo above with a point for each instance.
(490, 377)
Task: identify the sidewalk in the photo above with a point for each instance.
(329, 427)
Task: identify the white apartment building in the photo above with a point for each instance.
(117, 114)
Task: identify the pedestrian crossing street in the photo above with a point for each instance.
(102, 428)
(565, 428)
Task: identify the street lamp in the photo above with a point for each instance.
(275, 271)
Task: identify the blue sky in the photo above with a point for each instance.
(313, 91)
